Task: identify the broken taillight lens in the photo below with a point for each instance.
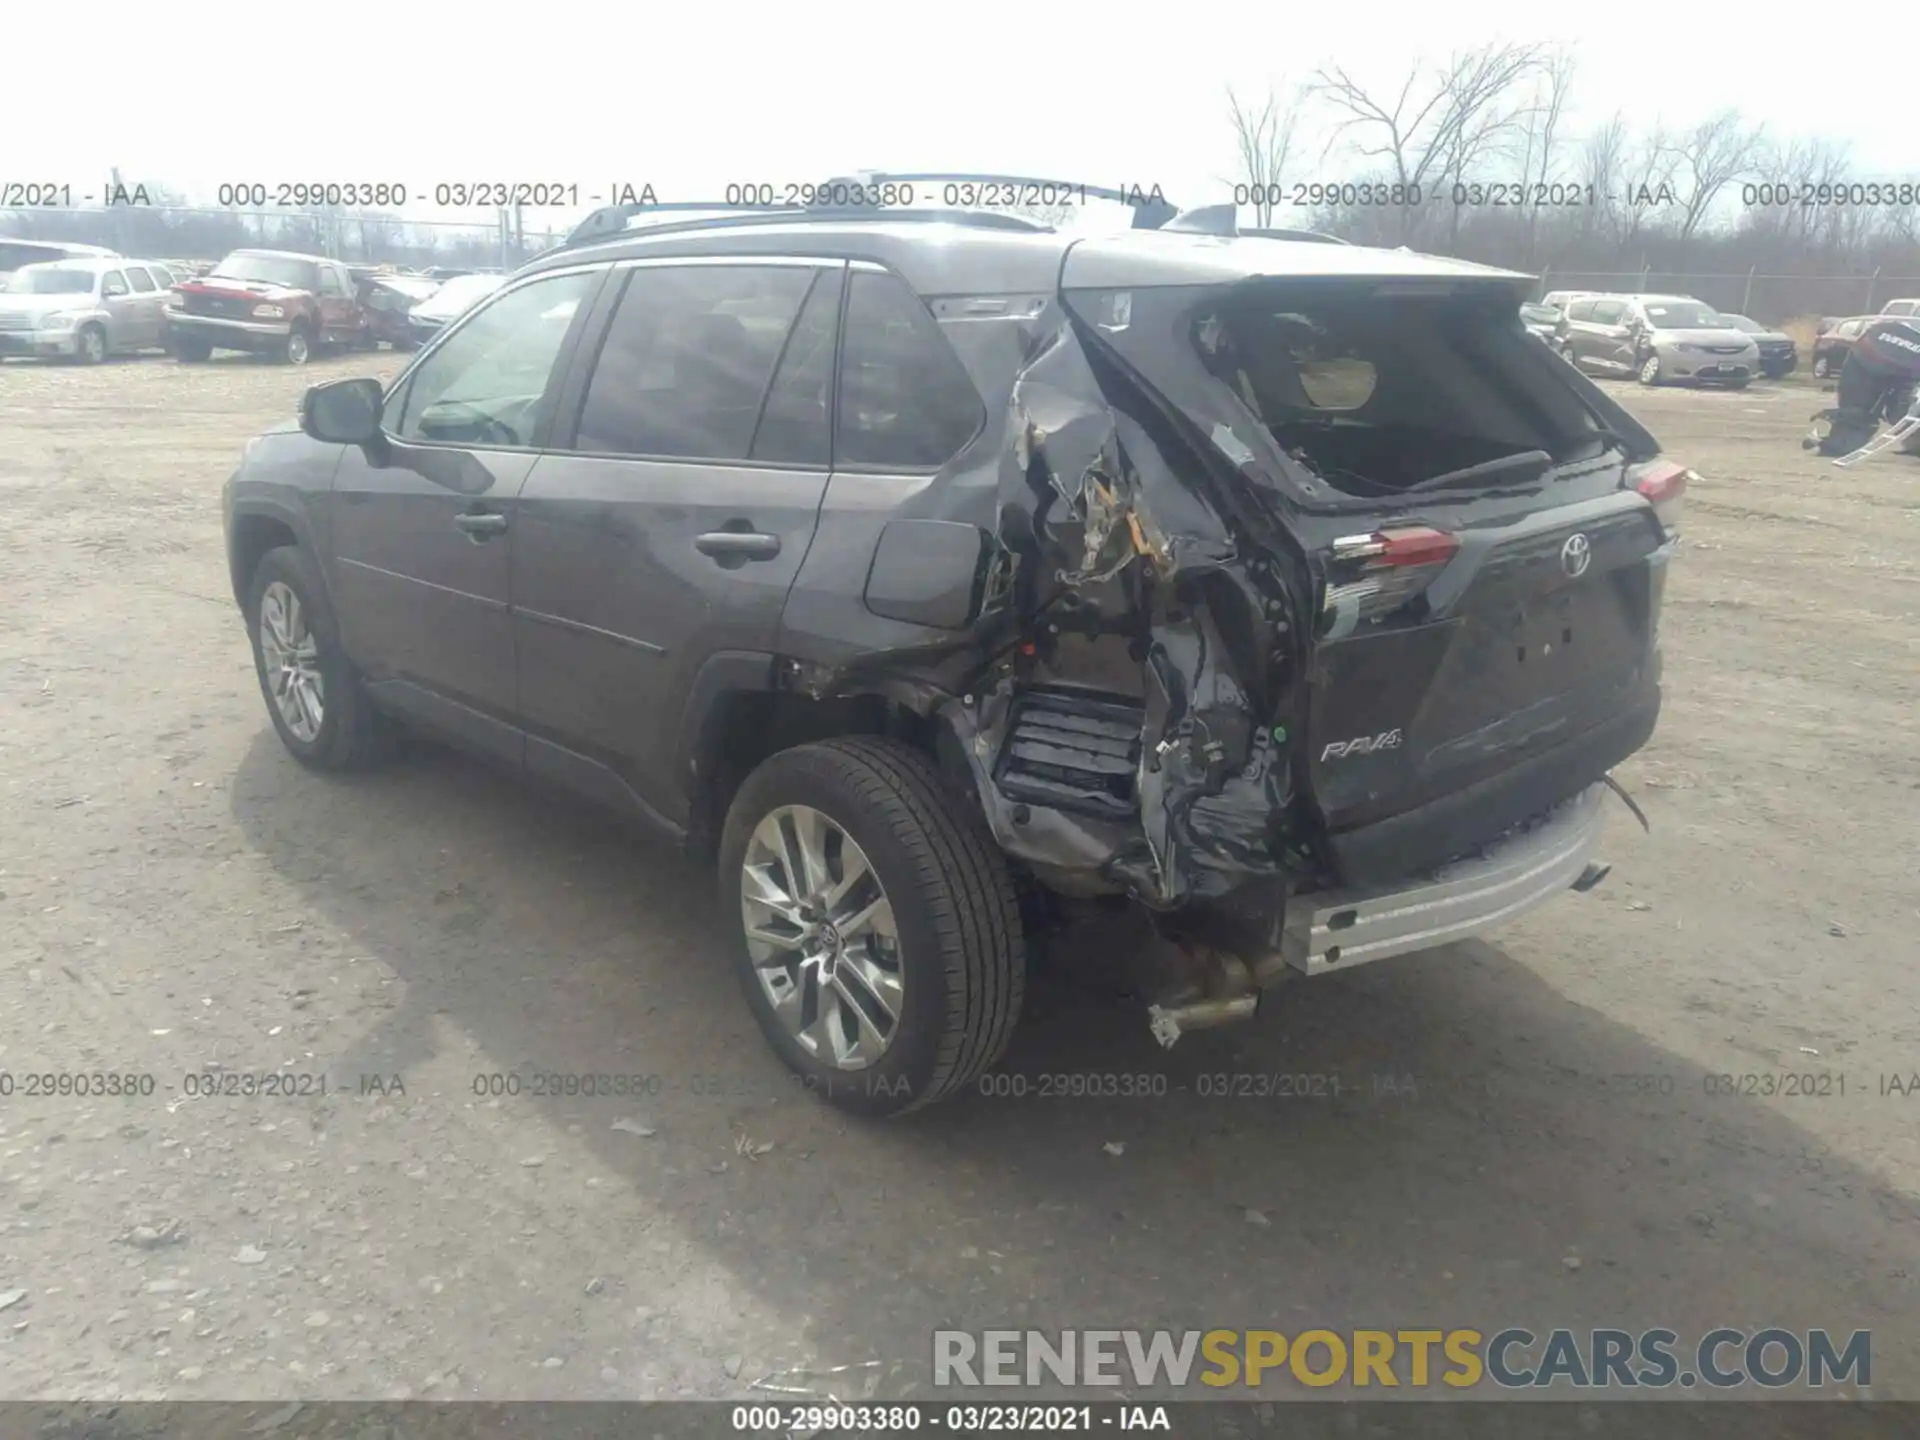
(1664, 483)
(1374, 575)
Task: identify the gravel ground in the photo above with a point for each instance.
(177, 895)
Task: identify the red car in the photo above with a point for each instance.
(270, 302)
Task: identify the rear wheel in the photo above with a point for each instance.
(879, 939)
(191, 352)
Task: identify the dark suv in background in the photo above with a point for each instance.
(938, 574)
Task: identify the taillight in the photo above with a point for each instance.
(1664, 483)
(1374, 575)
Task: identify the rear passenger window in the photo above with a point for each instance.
(905, 400)
(795, 424)
(688, 360)
(142, 281)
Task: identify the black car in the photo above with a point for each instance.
(1779, 355)
(940, 574)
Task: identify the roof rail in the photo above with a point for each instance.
(1150, 209)
(610, 221)
(1312, 237)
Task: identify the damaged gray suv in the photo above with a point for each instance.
(939, 573)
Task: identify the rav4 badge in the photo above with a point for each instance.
(1362, 745)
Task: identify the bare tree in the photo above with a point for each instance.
(1707, 159)
(1263, 140)
(1603, 162)
(1542, 139)
(1441, 122)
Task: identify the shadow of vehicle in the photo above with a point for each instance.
(1444, 1140)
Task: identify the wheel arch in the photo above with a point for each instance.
(257, 527)
(740, 709)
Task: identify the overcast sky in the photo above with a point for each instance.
(690, 97)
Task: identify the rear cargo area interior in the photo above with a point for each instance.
(1377, 393)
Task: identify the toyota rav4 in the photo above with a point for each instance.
(936, 574)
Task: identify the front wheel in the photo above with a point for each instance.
(91, 345)
(313, 693)
(878, 936)
(191, 352)
(1650, 370)
(1822, 367)
(297, 348)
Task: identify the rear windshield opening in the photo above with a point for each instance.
(1378, 394)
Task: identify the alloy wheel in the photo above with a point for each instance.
(297, 348)
(1650, 370)
(290, 659)
(93, 346)
(820, 932)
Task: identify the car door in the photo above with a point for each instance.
(422, 521)
(1610, 342)
(334, 298)
(144, 313)
(122, 310)
(669, 517)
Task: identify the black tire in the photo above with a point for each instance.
(298, 347)
(962, 954)
(352, 734)
(91, 346)
(192, 352)
(1641, 372)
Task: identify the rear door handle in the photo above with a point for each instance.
(737, 544)
(482, 526)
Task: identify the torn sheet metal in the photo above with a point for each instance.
(1103, 542)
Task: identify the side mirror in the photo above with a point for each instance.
(343, 412)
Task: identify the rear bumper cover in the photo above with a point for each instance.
(1336, 930)
(1382, 854)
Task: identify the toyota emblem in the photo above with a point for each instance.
(1576, 555)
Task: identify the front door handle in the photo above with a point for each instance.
(481, 526)
(737, 545)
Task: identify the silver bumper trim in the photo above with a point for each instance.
(1337, 930)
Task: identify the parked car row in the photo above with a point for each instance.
(1659, 338)
(83, 302)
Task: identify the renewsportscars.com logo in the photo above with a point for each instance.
(1513, 1358)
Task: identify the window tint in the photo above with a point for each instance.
(905, 399)
(1580, 310)
(113, 283)
(483, 384)
(142, 281)
(1609, 312)
(795, 425)
(688, 358)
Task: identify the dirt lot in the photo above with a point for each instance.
(176, 894)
